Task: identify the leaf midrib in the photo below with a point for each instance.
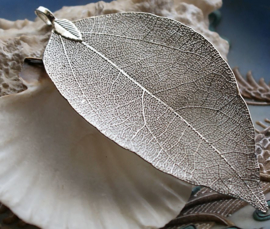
(170, 108)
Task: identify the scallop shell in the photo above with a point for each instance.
(57, 171)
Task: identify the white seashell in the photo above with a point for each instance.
(57, 171)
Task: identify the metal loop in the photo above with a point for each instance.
(45, 15)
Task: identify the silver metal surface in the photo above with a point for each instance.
(45, 15)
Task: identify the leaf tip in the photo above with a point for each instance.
(263, 206)
(259, 202)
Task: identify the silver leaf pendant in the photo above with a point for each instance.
(63, 27)
(161, 90)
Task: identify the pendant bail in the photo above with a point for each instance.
(45, 15)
